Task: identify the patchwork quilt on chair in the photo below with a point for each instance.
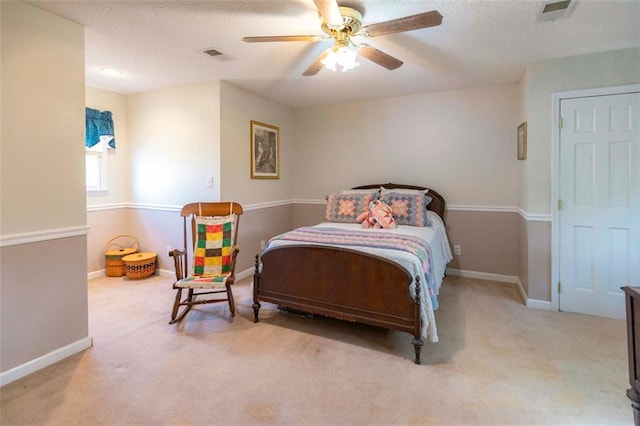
(212, 254)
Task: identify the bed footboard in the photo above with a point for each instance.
(339, 283)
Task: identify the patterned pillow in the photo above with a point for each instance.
(424, 192)
(374, 192)
(408, 209)
(346, 207)
(403, 190)
(380, 216)
(214, 246)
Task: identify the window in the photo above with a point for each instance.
(96, 167)
(99, 138)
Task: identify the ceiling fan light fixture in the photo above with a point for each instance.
(344, 56)
(342, 23)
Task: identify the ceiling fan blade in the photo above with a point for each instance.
(330, 12)
(408, 23)
(317, 65)
(379, 57)
(262, 39)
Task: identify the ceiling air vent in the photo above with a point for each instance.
(217, 55)
(556, 10)
(212, 52)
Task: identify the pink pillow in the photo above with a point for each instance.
(379, 215)
(383, 214)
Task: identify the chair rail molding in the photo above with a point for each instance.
(532, 217)
(42, 235)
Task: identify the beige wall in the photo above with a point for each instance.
(260, 225)
(43, 276)
(307, 214)
(43, 308)
(174, 144)
(461, 143)
(538, 259)
(238, 109)
(489, 241)
(42, 121)
(156, 230)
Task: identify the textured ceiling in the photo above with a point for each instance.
(158, 44)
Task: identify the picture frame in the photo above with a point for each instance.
(265, 151)
(522, 141)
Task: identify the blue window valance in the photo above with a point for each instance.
(98, 123)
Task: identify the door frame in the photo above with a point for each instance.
(556, 98)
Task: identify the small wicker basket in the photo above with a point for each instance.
(114, 266)
(140, 265)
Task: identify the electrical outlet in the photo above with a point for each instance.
(457, 250)
(262, 244)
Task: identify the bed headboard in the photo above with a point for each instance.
(437, 205)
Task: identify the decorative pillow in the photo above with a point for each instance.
(408, 209)
(424, 192)
(403, 190)
(346, 207)
(214, 246)
(379, 215)
(383, 214)
(375, 193)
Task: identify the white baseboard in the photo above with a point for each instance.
(483, 276)
(95, 274)
(539, 304)
(101, 273)
(167, 273)
(530, 303)
(244, 274)
(523, 293)
(45, 361)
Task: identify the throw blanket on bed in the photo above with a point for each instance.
(378, 239)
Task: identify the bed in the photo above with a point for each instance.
(387, 278)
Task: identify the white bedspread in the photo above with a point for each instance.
(435, 236)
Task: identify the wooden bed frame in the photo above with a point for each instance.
(342, 283)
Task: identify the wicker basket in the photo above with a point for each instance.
(140, 265)
(114, 266)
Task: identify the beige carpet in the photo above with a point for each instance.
(497, 362)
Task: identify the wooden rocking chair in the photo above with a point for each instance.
(214, 231)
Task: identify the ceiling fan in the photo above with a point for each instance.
(340, 24)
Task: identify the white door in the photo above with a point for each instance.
(599, 214)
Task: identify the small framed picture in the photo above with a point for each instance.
(265, 151)
(522, 141)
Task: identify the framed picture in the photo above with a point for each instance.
(522, 141)
(265, 151)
